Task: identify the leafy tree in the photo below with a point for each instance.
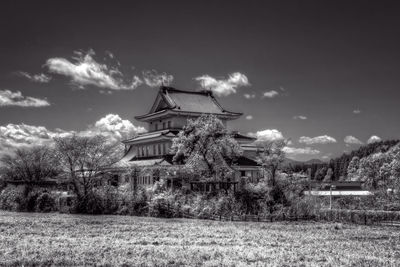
(352, 169)
(270, 156)
(328, 176)
(206, 145)
(369, 170)
(84, 160)
(30, 165)
(320, 173)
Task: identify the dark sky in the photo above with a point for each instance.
(327, 60)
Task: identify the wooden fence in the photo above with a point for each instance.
(247, 218)
(365, 217)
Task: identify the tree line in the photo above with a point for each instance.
(337, 169)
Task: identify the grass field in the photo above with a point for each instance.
(58, 239)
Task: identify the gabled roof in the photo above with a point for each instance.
(152, 135)
(129, 160)
(244, 161)
(198, 102)
(143, 163)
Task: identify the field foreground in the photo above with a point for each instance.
(60, 239)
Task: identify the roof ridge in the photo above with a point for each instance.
(169, 88)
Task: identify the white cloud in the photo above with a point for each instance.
(249, 117)
(299, 117)
(294, 151)
(85, 70)
(270, 94)
(323, 139)
(115, 127)
(39, 78)
(13, 136)
(327, 156)
(356, 111)
(351, 140)
(374, 139)
(223, 87)
(267, 135)
(9, 98)
(249, 96)
(154, 79)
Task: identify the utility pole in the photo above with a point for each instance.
(330, 195)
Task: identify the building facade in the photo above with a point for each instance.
(169, 113)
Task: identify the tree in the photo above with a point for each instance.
(84, 159)
(328, 176)
(370, 170)
(30, 165)
(320, 173)
(270, 156)
(206, 145)
(352, 169)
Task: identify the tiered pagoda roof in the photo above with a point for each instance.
(173, 101)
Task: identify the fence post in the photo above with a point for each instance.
(365, 217)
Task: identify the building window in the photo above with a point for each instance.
(156, 126)
(154, 149)
(159, 149)
(164, 148)
(169, 124)
(114, 180)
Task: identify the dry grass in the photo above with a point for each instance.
(57, 239)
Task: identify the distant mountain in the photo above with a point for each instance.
(313, 161)
(296, 162)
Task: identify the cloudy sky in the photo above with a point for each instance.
(323, 73)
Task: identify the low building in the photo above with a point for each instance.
(338, 188)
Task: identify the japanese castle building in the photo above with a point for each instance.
(168, 115)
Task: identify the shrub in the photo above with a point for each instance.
(159, 206)
(12, 198)
(226, 205)
(45, 202)
(132, 202)
(110, 198)
(29, 202)
(305, 207)
(90, 204)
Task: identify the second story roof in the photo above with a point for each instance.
(173, 100)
